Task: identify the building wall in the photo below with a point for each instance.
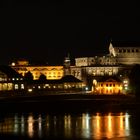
(128, 55)
(3, 76)
(109, 88)
(81, 61)
(82, 72)
(51, 72)
(97, 60)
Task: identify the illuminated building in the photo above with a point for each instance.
(118, 62)
(10, 79)
(66, 83)
(51, 72)
(109, 85)
(127, 55)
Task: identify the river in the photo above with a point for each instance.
(71, 125)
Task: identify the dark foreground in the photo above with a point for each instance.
(64, 102)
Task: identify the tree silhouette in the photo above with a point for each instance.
(28, 76)
(135, 80)
(42, 77)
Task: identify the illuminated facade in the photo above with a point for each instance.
(51, 72)
(66, 83)
(127, 55)
(118, 62)
(109, 86)
(10, 79)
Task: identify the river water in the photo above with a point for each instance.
(83, 125)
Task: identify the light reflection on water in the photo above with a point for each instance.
(85, 125)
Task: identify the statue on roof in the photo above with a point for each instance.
(111, 49)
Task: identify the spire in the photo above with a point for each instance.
(68, 55)
(111, 49)
(67, 65)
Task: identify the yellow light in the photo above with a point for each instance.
(30, 90)
(13, 64)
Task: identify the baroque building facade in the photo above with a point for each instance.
(118, 62)
(51, 72)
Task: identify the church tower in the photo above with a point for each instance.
(67, 65)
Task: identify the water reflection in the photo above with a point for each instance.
(96, 126)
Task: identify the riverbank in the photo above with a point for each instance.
(65, 102)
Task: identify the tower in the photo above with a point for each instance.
(67, 65)
(111, 49)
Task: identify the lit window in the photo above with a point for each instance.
(22, 86)
(13, 79)
(16, 86)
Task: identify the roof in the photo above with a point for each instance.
(69, 78)
(11, 73)
(65, 79)
(109, 79)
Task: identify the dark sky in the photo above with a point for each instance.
(47, 30)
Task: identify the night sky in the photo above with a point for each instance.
(46, 31)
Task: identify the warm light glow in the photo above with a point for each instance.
(30, 126)
(39, 126)
(30, 90)
(16, 86)
(109, 122)
(109, 87)
(51, 72)
(22, 86)
(121, 121)
(13, 64)
(84, 126)
(16, 127)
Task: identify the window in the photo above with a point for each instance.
(16, 86)
(22, 86)
(106, 85)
